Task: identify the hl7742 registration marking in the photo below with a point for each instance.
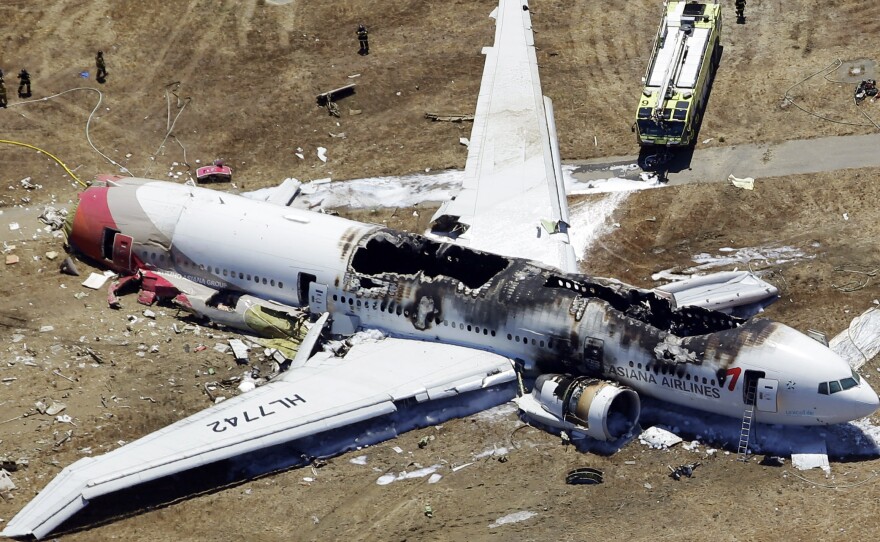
(262, 411)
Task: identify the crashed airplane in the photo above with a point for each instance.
(465, 308)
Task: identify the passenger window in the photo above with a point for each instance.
(834, 387)
(823, 388)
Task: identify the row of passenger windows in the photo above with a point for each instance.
(182, 262)
(827, 388)
(680, 371)
(395, 308)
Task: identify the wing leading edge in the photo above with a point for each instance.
(324, 394)
(512, 199)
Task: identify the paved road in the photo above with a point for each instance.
(763, 160)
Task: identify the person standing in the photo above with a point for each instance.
(101, 76)
(740, 11)
(363, 40)
(2, 91)
(24, 85)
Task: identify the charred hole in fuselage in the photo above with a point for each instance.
(410, 254)
(649, 308)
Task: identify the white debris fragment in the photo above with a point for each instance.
(6, 483)
(46, 329)
(149, 314)
(247, 384)
(359, 460)
(95, 281)
(746, 183)
(398, 449)
(55, 408)
(222, 348)
(658, 438)
(811, 455)
(434, 478)
(13, 226)
(64, 418)
(322, 154)
(846, 216)
(464, 141)
(386, 479)
(300, 155)
(239, 349)
(512, 518)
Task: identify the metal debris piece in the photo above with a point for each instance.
(55, 408)
(584, 476)
(449, 118)
(429, 511)
(11, 259)
(682, 470)
(69, 268)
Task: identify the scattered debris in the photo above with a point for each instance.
(46, 329)
(424, 441)
(13, 226)
(512, 518)
(55, 408)
(69, 268)
(95, 280)
(239, 350)
(335, 95)
(359, 460)
(429, 512)
(449, 118)
(6, 483)
(217, 172)
(584, 475)
(51, 255)
(682, 470)
(812, 455)
(867, 87)
(464, 141)
(746, 183)
(658, 438)
(434, 478)
(11, 259)
(322, 154)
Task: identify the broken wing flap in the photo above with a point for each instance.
(739, 293)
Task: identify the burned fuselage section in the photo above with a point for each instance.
(413, 286)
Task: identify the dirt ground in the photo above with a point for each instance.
(244, 77)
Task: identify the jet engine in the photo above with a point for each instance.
(600, 409)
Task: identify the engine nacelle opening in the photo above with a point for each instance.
(602, 410)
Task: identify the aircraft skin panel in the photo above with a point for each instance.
(324, 394)
(510, 174)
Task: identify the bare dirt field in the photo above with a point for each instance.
(244, 76)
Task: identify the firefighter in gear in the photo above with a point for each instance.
(740, 10)
(101, 76)
(24, 87)
(363, 40)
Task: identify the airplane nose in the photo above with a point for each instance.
(865, 400)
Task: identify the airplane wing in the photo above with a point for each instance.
(321, 395)
(512, 201)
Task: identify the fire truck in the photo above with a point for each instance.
(683, 61)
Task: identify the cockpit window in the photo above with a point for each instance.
(848, 383)
(823, 388)
(834, 386)
(856, 376)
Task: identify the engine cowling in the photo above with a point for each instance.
(600, 409)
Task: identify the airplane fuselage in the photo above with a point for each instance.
(410, 286)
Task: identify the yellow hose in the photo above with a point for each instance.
(50, 155)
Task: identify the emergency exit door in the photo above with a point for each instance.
(767, 394)
(122, 251)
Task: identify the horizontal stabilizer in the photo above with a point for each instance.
(739, 293)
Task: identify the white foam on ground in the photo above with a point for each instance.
(512, 518)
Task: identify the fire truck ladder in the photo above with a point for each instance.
(748, 418)
(675, 61)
